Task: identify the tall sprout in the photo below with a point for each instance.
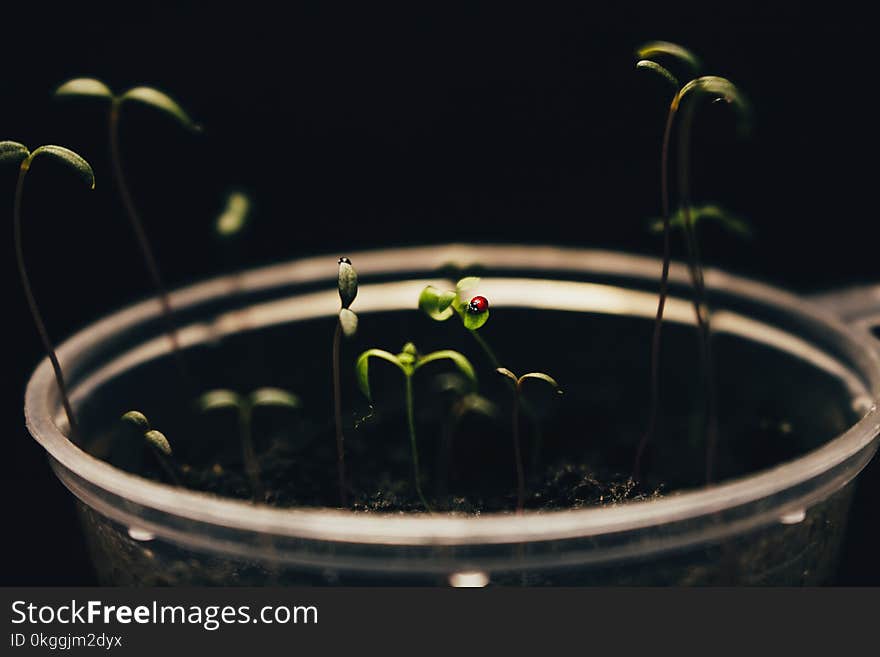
(15, 153)
(686, 101)
(346, 324)
(92, 88)
(646, 56)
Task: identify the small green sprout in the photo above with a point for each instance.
(244, 406)
(13, 153)
(156, 440)
(708, 212)
(409, 361)
(467, 403)
(91, 88)
(517, 452)
(473, 311)
(347, 323)
(234, 217)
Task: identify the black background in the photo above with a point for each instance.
(363, 126)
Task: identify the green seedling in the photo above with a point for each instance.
(156, 440)
(346, 324)
(716, 89)
(409, 361)
(468, 404)
(244, 406)
(95, 89)
(647, 56)
(517, 451)
(702, 213)
(683, 102)
(473, 311)
(14, 153)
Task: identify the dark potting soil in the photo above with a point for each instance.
(578, 448)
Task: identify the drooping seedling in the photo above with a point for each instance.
(683, 102)
(245, 406)
(95, 89)
(409, 361)
(156, 441)
(517, 450)
(346, 324)
(14, 153)
(686, 100)
(647, 57)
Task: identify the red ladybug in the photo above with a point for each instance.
(478, 305)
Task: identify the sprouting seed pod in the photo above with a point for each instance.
(158, 440)
(348, 282)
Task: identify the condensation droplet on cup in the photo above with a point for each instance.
(794, 517)
(468, 579)
(139, 534)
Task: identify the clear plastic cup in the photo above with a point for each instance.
(779, 525)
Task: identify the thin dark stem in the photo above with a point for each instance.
(35, 312)
(486, 348)
(517, 455)
(411, 424)
(169, 469)
(661, 304)
(337, 408)
(526, 407)
(143, 241)
(700, 306)
(249, 453)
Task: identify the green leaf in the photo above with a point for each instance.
(274, 397)
(477, 404)
(84, 87)
(234, 216)
(138, 420)
(473, 321)
(654, 49)
(347, 282)
(349, 322)
(466, 284)
(647, 64)
(719, 89)
(162, 102)
(715, 213)
(217, 399)
(362, 368)
(540, 376)
(463, 364)
(158, 440)
(503, 371)
(66, 157)
(11, 152)
(437, 304)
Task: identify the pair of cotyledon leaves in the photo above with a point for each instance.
(92, 88)
(440, 305)
(141, 424)
(14, 153)
(408, 361)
